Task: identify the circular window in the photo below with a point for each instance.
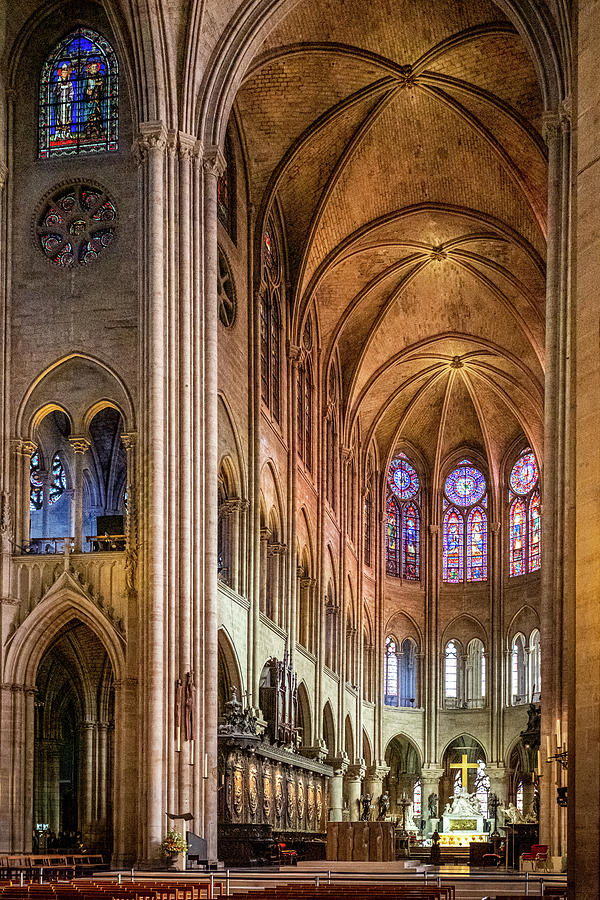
(226, 292)
(465, 485)
(525, 474)
(76, 225)
(403, 477)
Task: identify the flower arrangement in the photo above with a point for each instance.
(173, 843)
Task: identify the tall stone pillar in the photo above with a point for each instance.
(23, 453)
(336, 789)
(354, 780)
(373, 783)
(80, 445)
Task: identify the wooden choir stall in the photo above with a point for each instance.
(273, 801)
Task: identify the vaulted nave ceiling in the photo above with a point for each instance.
(402, 142)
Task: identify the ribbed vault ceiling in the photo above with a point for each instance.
(401, 141)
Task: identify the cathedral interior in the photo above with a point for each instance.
(300, 393)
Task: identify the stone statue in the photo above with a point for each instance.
(189, 724)
(432, 803)
(365, 802)
(512, 816)
(384, 806)
(463, 805)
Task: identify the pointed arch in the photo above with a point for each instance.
(304, 715)
(60, 605)
(453, 546)
(349, 745)
(517, 537)
(230, 670)
(329, 730)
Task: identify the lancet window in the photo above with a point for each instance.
(79, 97)
(368, 514)
(465, 521)
(525, 516)
(304, 400)
(226, 191)
(270, 324)
(403, 520)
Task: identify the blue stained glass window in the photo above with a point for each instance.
(525, 517)
(36, 487)
(391, 673)
(58, 485)
(392, 531)
(79, 96)
(465, 485)
(403, 478)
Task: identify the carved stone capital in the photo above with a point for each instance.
(356, 772)
(214, 162)
(26, 447)
(294, 354)
(80, 444)
(550, 126)
(129, 439)
(152, 136)
(187, 145)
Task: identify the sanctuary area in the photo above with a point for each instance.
(299, 416)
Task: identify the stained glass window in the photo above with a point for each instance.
(525, 516)
(392, 533)
(535, 533)
(465, 485)
(391, 673)
(477, 545)
(58, 485)
(226, 191)
(271, 325)
(453, 546)
(451, 670)
(519, 797)
(36, 488)
(518, 675)
(403, 478)
(465, 525)
(524, 475)
(76, 225)
(79, 97)
(417, 799)
(403, 520)
(410, 543)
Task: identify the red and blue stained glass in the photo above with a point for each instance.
(477, 545)
(535, 533)
(36, 485)
(453, 546)
(79, 97)
(517, 538)
(392, 530)
(58, 485)
(525, 474)
(410, 543)
(465, 485)
(403, 478)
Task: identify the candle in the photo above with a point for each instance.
(205, 773)
(179, 738)
(539, 763)
(548, 754)
(191, 753)
(558, 740)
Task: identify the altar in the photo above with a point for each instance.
(462, 820)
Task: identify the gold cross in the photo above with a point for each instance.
(464, 767)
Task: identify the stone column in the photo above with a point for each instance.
(336, 788)
(80, 445)
(432, 695)
(374, 776)
(23, 453)
(499, 781)
(354, 780)
(86, 781)
(430, 780)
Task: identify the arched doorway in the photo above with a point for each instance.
(73, 743)
(403, 781)
(477, 781)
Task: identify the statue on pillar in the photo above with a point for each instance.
(384, 806)
(365, 803)
(190, 708)
(432, 805)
